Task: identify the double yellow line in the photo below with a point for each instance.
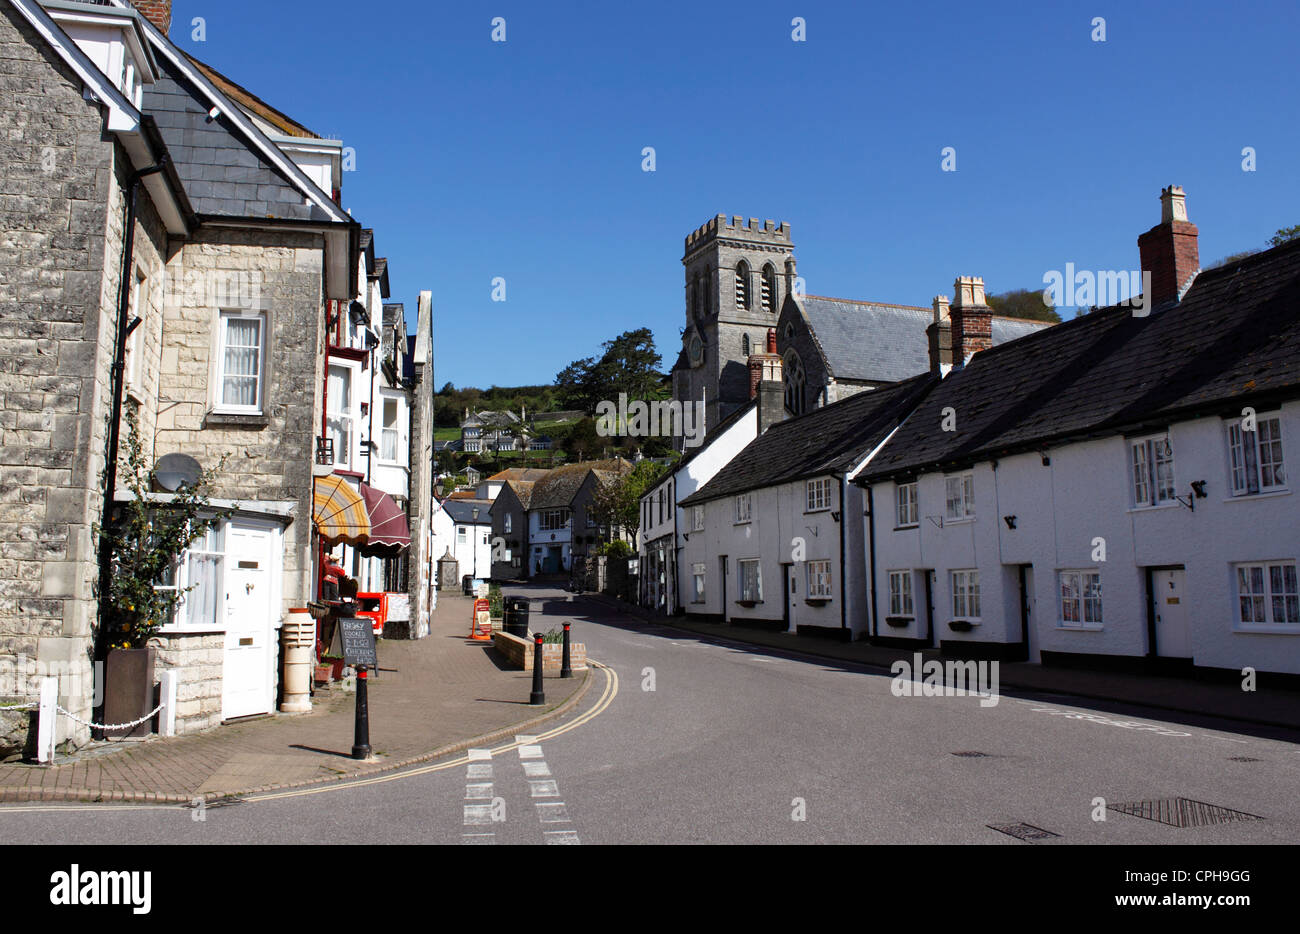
(606, 698)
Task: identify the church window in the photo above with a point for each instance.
(744, 345)
(769, 288)
(742, 285)
(794, 383)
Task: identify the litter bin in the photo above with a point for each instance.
(516, 617)
(298, 636)
(467, 584)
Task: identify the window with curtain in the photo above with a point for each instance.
(339, 423)
(240, 379)
(388, 437)
(197, 575)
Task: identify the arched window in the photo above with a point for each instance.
(702, 285)
(769, 287)
(742, 285)
(744, 345)
(794, 383)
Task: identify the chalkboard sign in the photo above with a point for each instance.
(358, 638)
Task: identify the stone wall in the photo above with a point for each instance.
(268, 456)
(61, 225)
(198, 659)
(519, 653)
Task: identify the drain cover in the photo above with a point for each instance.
(1027, 832)
(1182, 812)
(971, 754)
(1243, 759)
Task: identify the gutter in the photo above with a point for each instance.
(124, 329)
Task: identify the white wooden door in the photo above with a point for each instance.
(1172, 638)
(246, 673)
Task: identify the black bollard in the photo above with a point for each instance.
(361, 735)
(538, 696)
(566, 665)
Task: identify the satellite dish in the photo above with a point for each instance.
(174, 471)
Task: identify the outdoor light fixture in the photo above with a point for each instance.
(835, 515)
(1198, 487)
(1010, 521)
(1047, 461)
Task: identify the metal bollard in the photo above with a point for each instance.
(361, 734)
(566, 665)
(538, 696)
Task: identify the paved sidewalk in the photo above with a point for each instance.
(1271, 707)
(430, 696)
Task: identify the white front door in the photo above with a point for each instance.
(250, 616)
(1172, 639)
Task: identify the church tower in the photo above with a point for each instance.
(737, 276)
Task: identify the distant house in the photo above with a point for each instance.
(471, 543)
(551, 533)
(510, 528)
(485, 431)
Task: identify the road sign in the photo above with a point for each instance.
(357, 636)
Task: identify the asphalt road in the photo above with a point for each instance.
(682, 740)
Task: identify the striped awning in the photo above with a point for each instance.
(389, 531)
(339, 512)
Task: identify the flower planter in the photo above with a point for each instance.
(323, 674)
(129, 690)
(960, 625)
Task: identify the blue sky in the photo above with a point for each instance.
(522, 159)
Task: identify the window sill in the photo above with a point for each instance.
(135, 395)
(1155, 508)
(745, 522)
(904, 528)
(964, 520)
(809, 512)
(219, 419)
(186, 630)
(1080, 627)
(817, 601)
(748, 604)
(1247, 497)
(1273, 629)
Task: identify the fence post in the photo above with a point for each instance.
(167, 697)
(47, 719)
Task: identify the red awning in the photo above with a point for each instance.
(389, 531)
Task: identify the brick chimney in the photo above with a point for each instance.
(972, 319)
(767, 384)
(1169, 251)
(939, 336)
(158, 12)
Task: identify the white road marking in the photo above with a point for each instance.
(530, 752)
(561, 837)
(477, 754)
(478, 815)
(543, 789)
(537, 769)
(476, 790)
(479, 770)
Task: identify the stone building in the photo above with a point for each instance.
(170, 219)
(741, 280)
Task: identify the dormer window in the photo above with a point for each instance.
(111, 38)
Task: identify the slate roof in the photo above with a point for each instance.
(530, 474)
(884, 343)
(462, 510)
(221, 173)
(1233, 341)
(560, 485)
(523, 490)
(826, 440)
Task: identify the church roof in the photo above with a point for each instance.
(884, 343)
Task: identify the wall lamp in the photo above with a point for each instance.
(1010, 521)
(1198, 492)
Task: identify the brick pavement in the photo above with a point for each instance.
(429, 697)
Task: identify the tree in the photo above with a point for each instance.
(1285, 234)
(618, 503)
(1023, 303)
(627, 364)
(146, 541)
